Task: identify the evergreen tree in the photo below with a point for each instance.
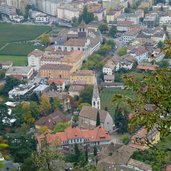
(98, 119)
(121, 119)
(95, 151)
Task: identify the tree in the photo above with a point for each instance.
(122, 51)
(160, 44)
(5, 117)
(21, 145)
(86, 94)
(49, 158)
(152, 90)
(95, 151)
(28, 165)
(53, 86)
(60, 127)
(103, 28)
(10, 83)
(45, 105)
(75, 22)
(112, 31)
(55, 103)
(98, 119)
(45, 39)
(163, 64)
(34, 109)
(121, 118)
(86, 16)
(105, 49)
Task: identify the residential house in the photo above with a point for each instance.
(62, 96)
(140, 53)
(151, 20)
(98, 11)
(147, 67)
(165, 20)
(57, 71)
(6, 64)
(111, 66)
(115, 157)
(60, 84)
(109, 78)
(137, 165)
(142, 137)
(160, 6)
(86, 76)
(20, 72)
(51, 120)
(7, 10)
(127, 62)
(68, 11)
(157, 55)
(88, 116)
(74, 135)
(124, 25)
(34, 59)
(76, 88)
(130, 17)
(130, 35)
(41, 18)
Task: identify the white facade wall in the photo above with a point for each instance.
(142, 57)
(107, 71)
(165, 20)
(34, 62)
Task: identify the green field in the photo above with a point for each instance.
(19, 49)
(18, 32)
(107, 94)
(17, 60)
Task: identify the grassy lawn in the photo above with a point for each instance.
(17, 32)
(17, 60)
(106, 96)
(19, 49)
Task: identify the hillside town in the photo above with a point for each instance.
(85, 85)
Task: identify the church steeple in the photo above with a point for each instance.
(96, 97)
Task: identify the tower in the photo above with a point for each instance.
(96, 97)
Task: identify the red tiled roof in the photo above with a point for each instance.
(75, 42)
(94, 135)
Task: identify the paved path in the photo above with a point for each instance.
(4, 46)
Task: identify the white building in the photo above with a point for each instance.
(20, 72)
(7, 10)
(67, 12)
(164, 20)
(140, 53)
(39, 17)
(34, 59)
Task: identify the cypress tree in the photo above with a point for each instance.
(98, 119)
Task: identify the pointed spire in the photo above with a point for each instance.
(96, 97)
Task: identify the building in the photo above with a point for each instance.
(97, 10)
(82, 39)
(113, 14)
(20, 72)
(41, 18)
(74, 135)
(34, 59)
(142, 137)
(59, 83)
(96, 98)
(86, 76)
(151, 20)
(109, 78)
(147, 67)
(62, 96)
(88, 116)
(112, 65)
(140, 53)
(57, 71)
(128, 17)
(127, 62)
(67, 12)
(6, 64)
(164, 20)
(20, 91)
(51, 120)
(76, 88)
(7, 10)
(130, 35)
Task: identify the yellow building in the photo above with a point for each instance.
(83, 76)
(74, 59)
(143, 138)
(59, 71)
(112, 15)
